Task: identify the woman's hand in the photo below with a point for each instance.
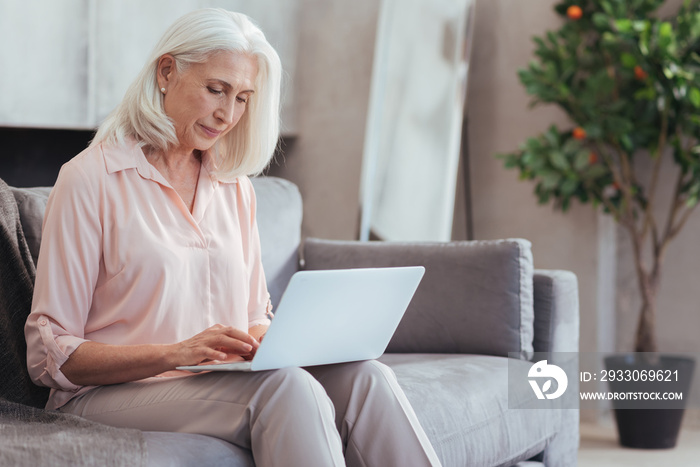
(94, 364)
(258, 332)
(218, 343)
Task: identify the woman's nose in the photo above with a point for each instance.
(226, 112)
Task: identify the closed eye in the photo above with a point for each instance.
(218, 92)
(241, 99)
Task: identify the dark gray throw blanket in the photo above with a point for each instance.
(30, 436)
(34, 437)
(16, 285)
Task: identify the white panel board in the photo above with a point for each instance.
(43, 63)
(67, 64)
(411, 152)
(126, 32)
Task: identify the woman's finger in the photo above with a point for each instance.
(240, 335)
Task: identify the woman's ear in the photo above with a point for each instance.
(165, 70)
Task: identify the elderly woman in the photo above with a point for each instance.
(150, 260)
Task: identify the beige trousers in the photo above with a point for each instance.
(330, 415)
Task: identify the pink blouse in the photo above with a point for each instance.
(123, 261)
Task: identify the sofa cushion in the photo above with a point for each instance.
(462, 403)
(191, 450)
(279, 211)
(475, 297)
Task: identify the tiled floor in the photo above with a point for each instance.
(599, 448)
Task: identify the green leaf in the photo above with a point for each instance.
(694, 96)
(627, 143)
(594, 130)
(550, 179)
(665, 34)
(644, 42)
(640, 26)
(558, 161)
(533, 144)
(565, 204)
(582, 160)
(550, 72)
(564, 91)
(569, 187)
(601, 20)
(552, 136)
(695, 25)
(617, 106)
(572, 145)
(646, 94)
(605, 5)
(619, 125)
(623, 25)
(609, 38)
(511, 160)
(628, 60)
(595, 172)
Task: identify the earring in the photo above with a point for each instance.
(162, 90)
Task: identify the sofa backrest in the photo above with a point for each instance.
(279, 212)
(476, 297)
(279, 222)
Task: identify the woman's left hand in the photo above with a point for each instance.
(258, 332)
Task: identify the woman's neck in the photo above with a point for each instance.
(174, 161)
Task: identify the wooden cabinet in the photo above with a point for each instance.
(67, 64)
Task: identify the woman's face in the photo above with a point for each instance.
(206, 100)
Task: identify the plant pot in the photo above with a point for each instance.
(649, 424)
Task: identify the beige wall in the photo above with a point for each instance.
(334, 69)
(500, 120)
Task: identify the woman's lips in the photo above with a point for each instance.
(212, 133)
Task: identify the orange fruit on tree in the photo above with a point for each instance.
(639, 73)
(579, 133)
(574, 12)
(592, 158)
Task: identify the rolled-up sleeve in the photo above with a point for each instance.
(259, 305)
(67, 270)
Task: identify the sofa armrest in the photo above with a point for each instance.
(475, 297)
(557, 330)
(556, 311)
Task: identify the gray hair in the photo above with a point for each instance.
(249, 146)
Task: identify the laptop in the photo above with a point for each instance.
(332, 316)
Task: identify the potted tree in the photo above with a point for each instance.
(630, 83)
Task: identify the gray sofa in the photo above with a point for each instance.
(478, 302)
